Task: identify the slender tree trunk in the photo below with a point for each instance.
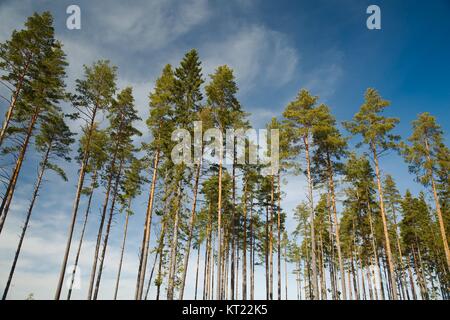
(75, 205)
(411, 279)
(80, 243)
(244, 244)
(349, 285)
(323, 287)
(336, 226)
(191, 230)
(285, 273)
(332, 246)
(13, 103)
(233, 281)
(196, 272)
(422, 271)
(149, 282)
(385, 226)
(219, 231)
(157, 254)
(208, 256)
(27, 220)
(173, 255)
(159, 283)
(279, 236)
(272, 198)
(100, 228)
(205, 267)
(298, 281)
(125, 229)
(108, 229)
(147, 229)
(374, 248)
(212, 271)
(266, 256)
(9, 193)
(252, 262)
(315, 285)
(400, 254)
(363, 284)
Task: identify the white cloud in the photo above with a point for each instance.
(258, 56)
(148, 25)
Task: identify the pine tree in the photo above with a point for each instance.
(302, 116)
(39, 99)
(122, 115)
(331, 147)
(22, 58)
(375, 130)
(97, 160)
(52, 142)
(131, 188)
(426, 140)
(188, 98)
(94, 94)
(160, 125)
(221, 92)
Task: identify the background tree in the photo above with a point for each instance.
(160, 125)
(93, 94)
(221, 93)
(122, 116)
(426, 142)
(302, 116)
(97, 160)
(53, 141)
(331, 148)
(40, 98)
(22, 58)
(375, 130)
(131, 187)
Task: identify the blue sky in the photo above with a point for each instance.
(275, 48)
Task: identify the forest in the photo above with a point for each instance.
(356, 237)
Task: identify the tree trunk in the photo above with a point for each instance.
(272, 198)
(147, 229)
(75, 206)
(173, 252)
(385, 226)
(315, 285)
(191, 229)
(158, 286)
(336, 225)
(233, 281)
(411, 279)
(285, 273)
(196, 272)
(9, 193)
(80, 243)
(266, 255)
(12, 105)
(125, 229)
(279, 236)
(244, 244)
(219, 231)
(27, 220)
(108, 229)
(375, 254)
(158, 253)
(100, 229)
(400, 254)
(252, 261)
